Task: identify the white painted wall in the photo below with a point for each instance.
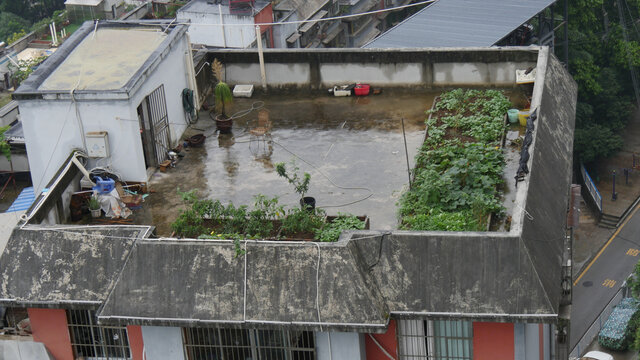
(527, 341)
(19, 163)
(477, 73)
(397, 74)
(277, 74)
(344, 346)
(282, 32)
(52, 131)
(375, 74)
(173, 73)
(163, 343)
(234, 36)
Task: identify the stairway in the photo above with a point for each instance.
(608, 221)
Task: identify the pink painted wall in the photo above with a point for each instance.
(388, 340)
(266, 16)
(49, 326)
(493, 341)
(136, 344)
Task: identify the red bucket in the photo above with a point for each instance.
(361, 89)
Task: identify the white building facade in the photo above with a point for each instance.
(125, 81)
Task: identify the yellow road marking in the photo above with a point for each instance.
(609, 283)
(575, 283)
(633, 252)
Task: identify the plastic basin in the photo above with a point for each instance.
(512, 114)
(523, 115)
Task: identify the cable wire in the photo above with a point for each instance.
(380, 11)
(329, 179)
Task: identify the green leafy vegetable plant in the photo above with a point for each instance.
(331, 231)
(459, 166)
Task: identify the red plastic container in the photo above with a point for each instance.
(361, 89)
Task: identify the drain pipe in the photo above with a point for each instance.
(55, 33)
(263, 73)
(53, 37)
(82, 169)
(224, 38)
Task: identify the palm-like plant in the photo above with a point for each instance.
(222, 92)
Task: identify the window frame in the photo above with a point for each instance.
(83, 327)
(458, 337)
(258, 344)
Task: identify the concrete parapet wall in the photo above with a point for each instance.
(423, 67)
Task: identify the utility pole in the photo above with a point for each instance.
(634, 77)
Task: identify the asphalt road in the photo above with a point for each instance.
(604, 275)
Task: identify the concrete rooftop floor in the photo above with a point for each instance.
(352, 147)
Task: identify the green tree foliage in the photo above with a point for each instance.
(599, 64)
(18, 15)
(31, 10)
(24, 68)
(11, 23)
(15, 37)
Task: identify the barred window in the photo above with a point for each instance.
(92, 341)
(241, 344)
(435, 339)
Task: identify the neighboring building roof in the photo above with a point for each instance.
(200, 281)
(460, 23)
(319, 15)
(74, 264)
(83, 2)
(110, 57)
(208, 7)
(105, 60)
(304, 8)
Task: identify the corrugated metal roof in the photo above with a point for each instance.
(24, 200)
(83, 2)
(460, 23)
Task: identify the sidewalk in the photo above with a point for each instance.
(617, 355)
(602, 174)
(589, 237)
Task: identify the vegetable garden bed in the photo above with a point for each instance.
(459, 166)
(266, 220)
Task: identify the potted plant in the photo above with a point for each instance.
(300, 183)
(94, 206)
(223, 98)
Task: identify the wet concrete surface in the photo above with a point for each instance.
(352, 147)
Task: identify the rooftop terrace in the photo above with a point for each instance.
(498, 276)
(352, 147)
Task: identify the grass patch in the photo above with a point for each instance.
(5, 98)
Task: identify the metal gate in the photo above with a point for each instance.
(157, 110)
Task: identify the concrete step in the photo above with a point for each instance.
(609, 221)
(610, 217)
(607, 226)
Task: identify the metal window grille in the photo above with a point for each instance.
(92, 341)
(242, 344)
(435, 340)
